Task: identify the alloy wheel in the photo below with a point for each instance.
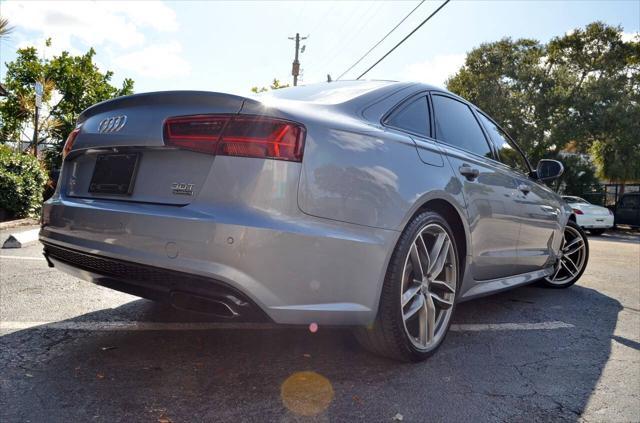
(428, 286)
(572, 257)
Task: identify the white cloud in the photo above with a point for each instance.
(630, 36)
(156, 61)
(91, 22)
(119, 30)
(436, 70)
(48, 51)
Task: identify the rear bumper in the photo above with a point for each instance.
(183, 290)
(595, 222)
(289, 269)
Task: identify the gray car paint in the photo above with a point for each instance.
(310, 241)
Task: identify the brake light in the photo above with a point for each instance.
(578, 211)
(68, 144)
(246, 136)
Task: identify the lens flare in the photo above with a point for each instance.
(306, 393)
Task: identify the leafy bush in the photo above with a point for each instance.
(22, 181)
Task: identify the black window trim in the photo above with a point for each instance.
(487, 139)
(405, 103)
(511, 140)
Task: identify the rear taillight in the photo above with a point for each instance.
(68, 144)
(246, 136)
(578, 211)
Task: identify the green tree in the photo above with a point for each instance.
(71, 84)
(275, 85)
(601, 104)
(581, 88)
(505, 79)
(579, 176)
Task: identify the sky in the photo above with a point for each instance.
(232, 46)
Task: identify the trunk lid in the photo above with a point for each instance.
(132, 128)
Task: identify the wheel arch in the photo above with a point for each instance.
(447, 206)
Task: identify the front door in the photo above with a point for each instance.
(540, 230)
(537, 208)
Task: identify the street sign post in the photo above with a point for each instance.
(39, 90)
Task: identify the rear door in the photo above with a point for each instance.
(537, 208)
(489, 191)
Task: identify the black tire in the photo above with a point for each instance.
(387, 335)
(555, 285)
(596, 232)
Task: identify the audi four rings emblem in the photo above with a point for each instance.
(112, 124)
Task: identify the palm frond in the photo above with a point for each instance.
(5, 28)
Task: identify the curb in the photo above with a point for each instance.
(16, 223)
(22, 239)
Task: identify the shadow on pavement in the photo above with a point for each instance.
(238, 375)
(624, 236)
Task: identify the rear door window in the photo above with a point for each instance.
(456, 125)
(412, 117)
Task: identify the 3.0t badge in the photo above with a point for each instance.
(181, 188)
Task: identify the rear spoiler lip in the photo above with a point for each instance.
(201, 97)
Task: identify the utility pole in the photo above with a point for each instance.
(295, 69)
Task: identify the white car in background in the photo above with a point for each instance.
(596, 219)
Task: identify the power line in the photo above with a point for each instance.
(405, 38)
(339, 41)
(354, 35)
(381, 40)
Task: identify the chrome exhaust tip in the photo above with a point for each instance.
(199, 304)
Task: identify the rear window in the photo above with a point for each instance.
(326, 93)
(575, 200)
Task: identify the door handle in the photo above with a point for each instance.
(524, 188)
(549, 209)
(469, 172)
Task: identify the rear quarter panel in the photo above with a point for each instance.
(356, 170)
(370, 177)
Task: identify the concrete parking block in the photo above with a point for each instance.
(21, 239)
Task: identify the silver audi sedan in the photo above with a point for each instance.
(373, 204)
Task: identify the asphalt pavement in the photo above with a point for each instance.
(72, 351)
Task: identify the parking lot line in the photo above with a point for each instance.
(22, 258)
(474, 327)
(177, 326)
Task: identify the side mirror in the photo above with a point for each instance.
(548, 170)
